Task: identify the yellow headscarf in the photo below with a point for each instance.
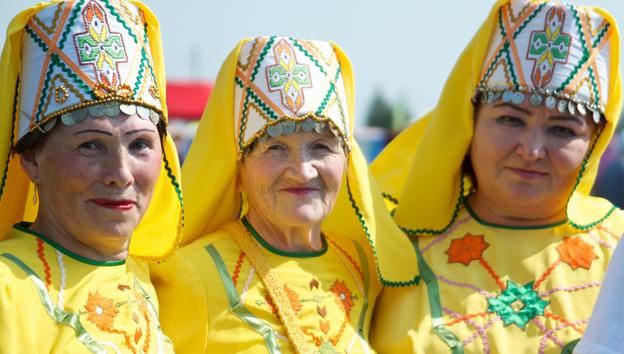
(210, 173)
(159, 232)
(421, 169)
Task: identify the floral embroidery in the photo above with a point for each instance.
(343, 295)
(517, 304)
(99, 47)
(101, 311)
(466, 249)
(549, 47)
(288, 76)
(576, 253)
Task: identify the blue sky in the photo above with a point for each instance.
(404, 48)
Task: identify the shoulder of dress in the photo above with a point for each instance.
(614, 224)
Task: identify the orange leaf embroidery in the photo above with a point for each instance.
(576, 253)
(100, 311)
(466, 249)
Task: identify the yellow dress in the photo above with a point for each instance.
(332, 292)
(54, 301)
(497, 289)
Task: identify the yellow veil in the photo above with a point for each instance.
(210, 172)
(420, 170)
(159, 232)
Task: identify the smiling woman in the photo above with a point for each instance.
(95, 155)
(512, 249)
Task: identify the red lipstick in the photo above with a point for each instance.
(300, 191)
(527, 174)
(122, 204)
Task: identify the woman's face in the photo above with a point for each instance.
(293, 180)
(526, 159)
(95, 178)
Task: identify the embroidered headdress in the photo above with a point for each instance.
(561, 56)
(68, 60)
(552, 54)
(286, 84)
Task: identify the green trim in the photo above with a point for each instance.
(332, 89)
(308, 54)
(5, 174)
(283, 253)
(58, 315)
(509, 227)
(505, 49)
(366, 272)
(586, 53)
(265, 49)
(458, 204)
(528, 19)
(36, 39)
(85, 88)
(435, 307)
(162, 338)
(70, 23)
(578, 181)
(261, 104)
(140, 72)
(23, 227)
(238, 82)
(238, 308)
(123, 23)
(176, 186)
(46, 84)
(569, 348)
(601, 34)
(360, 217)
(390, 198)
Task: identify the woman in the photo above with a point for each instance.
(511, 247)
(297, 272)
(83, 121)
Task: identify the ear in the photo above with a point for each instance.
(28, 160)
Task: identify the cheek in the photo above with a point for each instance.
(258, 175)
(332, 172)
(146, 172)
(568, 158)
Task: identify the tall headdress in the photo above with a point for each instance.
(68, 60)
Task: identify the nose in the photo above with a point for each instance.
(118, 169)
(532, 145)
(301, 168)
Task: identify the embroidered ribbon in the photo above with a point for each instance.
(433, 292)
(162, 338)
(237, 307)
(59, 316)
(273, 284)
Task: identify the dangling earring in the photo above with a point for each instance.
(35, 199)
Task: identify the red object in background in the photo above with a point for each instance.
(187, 100)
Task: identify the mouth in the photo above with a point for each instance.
(527, 174)
(300, 191)
(120, 204)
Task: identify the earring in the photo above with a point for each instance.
(35, 199)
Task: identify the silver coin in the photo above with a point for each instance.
(561, 106)
(142, 112)
(597, 116)
(81, 114)
(581, 108)
(49, 125)
(274, 130)
(551, 102)
(319, 127)
(517, 98)
(307, 125)
(111, 109)
(507, 96)
(154, 116)
(68, 119)
(572, 107)
(536, 99)
(128, 109)
(96, 111)
(288, 126)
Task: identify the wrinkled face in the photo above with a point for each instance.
(527, 156)
(96, 177)
(293, 180)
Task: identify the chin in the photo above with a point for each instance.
(304, 215)
(117, 229)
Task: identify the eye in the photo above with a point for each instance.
(510, 121)
(562, 131)
(90, 146)
(275, 147)
(321, 147)
(140, 145)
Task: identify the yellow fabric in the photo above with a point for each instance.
(163, 217)
(210, 171)
(440, 142)
(128, 322)
(191, 289)
(565, 265)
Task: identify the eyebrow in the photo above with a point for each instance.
(140, 130)
(574, 119)
(511, 105)
(93, 131)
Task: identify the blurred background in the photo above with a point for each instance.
(402, 52)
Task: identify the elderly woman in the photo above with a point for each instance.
(82, 113)
(289, 242)
(511, 247)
